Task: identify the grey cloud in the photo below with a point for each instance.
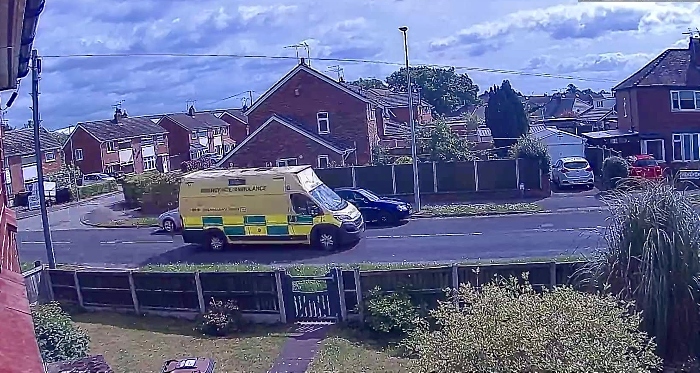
(606, 62)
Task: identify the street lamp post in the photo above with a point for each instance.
(414, 151)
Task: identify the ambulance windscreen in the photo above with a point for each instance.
(328, 199)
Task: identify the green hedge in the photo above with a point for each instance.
(153, 192)
(97, 189)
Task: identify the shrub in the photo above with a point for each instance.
(508, 327)
(153, 192)
(528, 147)
(66, 176)
(652, 257)
(390, 314)
(58, 338)
(380, 156)
(221, 319)
(97, 189)
(615, 169)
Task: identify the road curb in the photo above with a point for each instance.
(525, 213)
(99, 225)
(71, 204)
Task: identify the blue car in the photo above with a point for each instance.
(374, 208)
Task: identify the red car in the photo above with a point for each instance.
(646, 167)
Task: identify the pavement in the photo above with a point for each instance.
(67, 217)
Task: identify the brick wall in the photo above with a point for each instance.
(92, 153)
(15, 165)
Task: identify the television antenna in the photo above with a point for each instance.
(303, 45)
(338, 70)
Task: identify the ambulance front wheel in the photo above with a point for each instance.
(216, 241)
(325, 239)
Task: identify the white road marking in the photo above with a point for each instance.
(42, 242)
(133, 242)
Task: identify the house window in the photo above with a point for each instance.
(146, 141)
(686, 147)
(685, 100)
(159, 139)
(110, 146)
(654, 148)
(323, 125)
(224, 130)
(125, 144)
(217, 131)
(323, 161)
(110, 169)
(78, 154)
(370, 112)
(193, 135)
(149, 163)
(203, 133)
(50, 156)
(287, 162)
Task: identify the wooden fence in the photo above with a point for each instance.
(268, 296)
(443, 177)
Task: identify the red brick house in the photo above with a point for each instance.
(194, 134)
(20, 161)
(308, 118)
(123, 143)
(238, 122)
(659, 106)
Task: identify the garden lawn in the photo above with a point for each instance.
(478, 209)
(141, 344)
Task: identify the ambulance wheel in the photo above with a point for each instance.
(325, 239)
(216, 241)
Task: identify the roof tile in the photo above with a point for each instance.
(21, 141)
(672, 68)
(197, 121)
(126, 128)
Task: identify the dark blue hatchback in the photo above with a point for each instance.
(374, 208)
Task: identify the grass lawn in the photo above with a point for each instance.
(141, 344)
(346, 351)
(478, 209)
(130, 222)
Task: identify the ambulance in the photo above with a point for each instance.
(268, 205)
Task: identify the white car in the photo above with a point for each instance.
(170, 221)
(89, 179)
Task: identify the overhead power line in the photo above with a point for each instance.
(343, 60)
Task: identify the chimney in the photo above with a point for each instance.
(302, 61)
(694, 48)
(191, 111)
(341, 80)
(117, 115)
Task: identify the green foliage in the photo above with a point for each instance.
(615, 169)
(152, 191)
(505, 114)
(392, 315)
(442, 88)
(67, 176)
(97, 189)
(58, 338)
(380, 156)
(508, 327)
(473, 121)
(404, 160)
(221, 319)
(369, 83)
(653, 258)
(440, 144)
(529, 147)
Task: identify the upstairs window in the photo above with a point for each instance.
(110, 146)
(370, 112)
(685, 100)
(49, 156)
(193, 135)
(323, 124)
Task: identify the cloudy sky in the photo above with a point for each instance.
(600, 42)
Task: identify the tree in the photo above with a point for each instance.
(571, 88)
(369, 83)
(505, 115)
(439, 144)
(472, 121)
(442, 88)
(380, 156)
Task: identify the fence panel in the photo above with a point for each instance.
(455, 177)
(497, 175)
(529, 171)
(375, 178)
(425, 285)
(166, 291)
(105, 289)
(63, 286)
(336, 177)
(403, 173)
(538, 273)
(252, 291)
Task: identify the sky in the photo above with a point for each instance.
(599, 42)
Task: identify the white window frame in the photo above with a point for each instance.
(285, 162)
(109, 145)
(224, 130)
(371, 115)
(678, 139)
(645, 147)
(50, 156)
(624, 106)
(216, 131)
(78, 154)
(323, 157)
(149, 163)
(676, 100)
(110, 168)
(323, 117)
(159, 139)
(193, 135)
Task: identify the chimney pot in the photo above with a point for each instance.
(191, 111)
(302, 61)
(694, 48)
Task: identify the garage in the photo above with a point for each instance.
(559, 143)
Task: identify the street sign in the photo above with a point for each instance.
(689, 175)
(34, 202)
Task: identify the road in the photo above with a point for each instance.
(422, 240)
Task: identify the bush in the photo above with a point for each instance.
(380, 155)
(153, 192)
(615, 169)
(97, 189)
(58, 338)
(404, 160)
(528, 147)
(67, 176)
(507, 327)
(392, 314)
(221, 319)
(652, 257)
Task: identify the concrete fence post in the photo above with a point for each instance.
(393, 178)
(552, 274)
(200, 293)
(476, 175)
(358, 293)
(338, 274)
(280, 294)
(354, 178)
(455, 282)
(77, 289)
(435, 179)
(134, 296)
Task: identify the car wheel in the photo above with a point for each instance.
(216, 241)
(386, 218)
(169, 225)
(325, 239)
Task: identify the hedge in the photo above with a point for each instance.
(97, 189)
(152, 192)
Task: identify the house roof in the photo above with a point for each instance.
(126, 128)
(541, 132)
(236, 113)
(298, 127)
(607, 134)
(304, 67)
(596, 114)
(672, 68)
(387, 97)
(197, 121)
(21, 141)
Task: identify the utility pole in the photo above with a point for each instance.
(36, 71)
(414, 151)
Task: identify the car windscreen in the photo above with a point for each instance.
(369, 195)
(328, 198)
(575, 165)
(646, 163)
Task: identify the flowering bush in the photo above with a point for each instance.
(221, 319)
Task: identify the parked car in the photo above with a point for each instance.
(89, 179)
(375, 208)
(570, 171)
(170, 221)
(646, 167)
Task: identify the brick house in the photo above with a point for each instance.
(19, 158)
(121, 144)
(327, 113)
(238, 122)
(194, 134)
(659, 106)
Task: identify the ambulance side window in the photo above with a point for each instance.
(303, 205)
